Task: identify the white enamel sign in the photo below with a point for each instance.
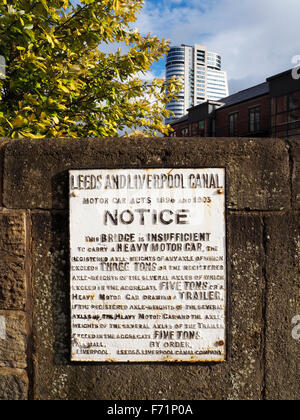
(148, 265)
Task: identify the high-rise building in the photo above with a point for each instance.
(202, 77)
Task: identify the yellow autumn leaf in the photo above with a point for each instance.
(50, 40)
(18, 121)
(116, 6)
(41, 125)
(31, 118)
(59, 61)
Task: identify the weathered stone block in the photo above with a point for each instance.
(13, 385)
(12, 285)
(245, 316)
(12, 234)
(12, 260)
(283, 304)
(240, 377)
(13, 337)
(295, 154)
(3, 142)
(258, 169)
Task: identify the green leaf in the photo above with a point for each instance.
(65, 85)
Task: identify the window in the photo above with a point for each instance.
(286, 115)
(213, 127)
(254, 120)
(233, 124)
(185, 131)
(293, 101)
(292, 121)
(281, 104)
(202, 128)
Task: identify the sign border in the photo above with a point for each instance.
(228, 310)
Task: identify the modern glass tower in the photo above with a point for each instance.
(202, 77)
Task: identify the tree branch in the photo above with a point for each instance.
(59, 27)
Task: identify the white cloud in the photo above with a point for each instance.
(150, 75)
(256, 38)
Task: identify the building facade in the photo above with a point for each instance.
(201, 74)
(270, 109)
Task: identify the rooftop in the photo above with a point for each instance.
(179, 120)
(245, 95)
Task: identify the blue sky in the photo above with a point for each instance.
(256, 38)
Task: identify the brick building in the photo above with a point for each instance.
(270, 109)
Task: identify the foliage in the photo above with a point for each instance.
(60, 84)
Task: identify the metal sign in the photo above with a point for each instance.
(148, 265)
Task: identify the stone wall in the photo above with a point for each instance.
(263, 258)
